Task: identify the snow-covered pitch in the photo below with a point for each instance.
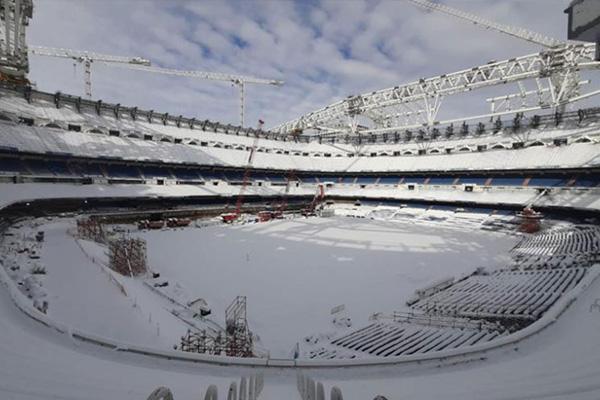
(304, 278)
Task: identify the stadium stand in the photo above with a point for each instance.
(479, 307)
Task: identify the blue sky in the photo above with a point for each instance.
(324, 51)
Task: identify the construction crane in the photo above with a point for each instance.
(140, 64)
(564, 80)
(238, 80)
(517, 32)
(230, 217)
(87, 58)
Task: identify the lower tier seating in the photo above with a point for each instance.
(480, 307)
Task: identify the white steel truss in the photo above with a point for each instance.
(417, 104)
(514, 31)
(86, 58)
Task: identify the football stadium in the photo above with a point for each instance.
(389, 245)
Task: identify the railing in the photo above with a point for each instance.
(117, 111)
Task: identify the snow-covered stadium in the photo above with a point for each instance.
(374, 248)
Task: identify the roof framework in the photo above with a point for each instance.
(554, 72)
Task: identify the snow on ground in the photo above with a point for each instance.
(82, 294)
(562, 362)
(294, 272)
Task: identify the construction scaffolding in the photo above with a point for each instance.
(239, 337)
(91, 229)
(236, 341)
(200, 342)
(128, 256)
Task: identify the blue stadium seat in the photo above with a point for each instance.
(473, 180)
(210, 176)
(122, 171)
(39, 167)
(366, 180)
(235, 176)
(547, 182)
(59, 168)
(12, 166)
(440, 207)
(186, 174)
(418, 206)
(505, 212)
(414, 179)
(91, 170)
(275, 178)
(155, 172)
(477, 210)
(327, 179)
(308, 179)
(441, 181)
(590, 181)
(507, 181)
(389, 180)
(348, 179)
(259, 176)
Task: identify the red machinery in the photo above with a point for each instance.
(230, 217)
(319, 196)
(530, 220)
(291, 177)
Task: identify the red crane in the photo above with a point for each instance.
(230, 217)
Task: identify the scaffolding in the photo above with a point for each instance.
(200, 342)
(236, 341)
(128, 256)
(239, 337)
(91, 229)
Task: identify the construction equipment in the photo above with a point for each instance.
(87, 58)
(514, 31)
(230, 217)
(238, 80)
(563, 78)
(555, 72)
(238, 335)
(140, 64)
(290, 178)
(318, 198)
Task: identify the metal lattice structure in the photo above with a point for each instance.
(554, 72)
(514, 31)
(91, 229)
(128, 256)
(236, 341)
(140, 64)
(86, 58)
(14, 18)
(201, 342)
(238, 80)
(239, 337)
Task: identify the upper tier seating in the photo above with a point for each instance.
(44, 140)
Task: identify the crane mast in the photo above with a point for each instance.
(238, 80)
(140, 64)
